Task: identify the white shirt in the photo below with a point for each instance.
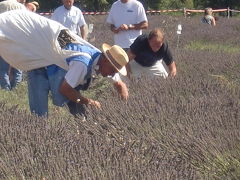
(29, 41)
(77, 72)
(72, 19)
(10, 5)
(120, 13)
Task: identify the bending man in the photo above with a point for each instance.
(149, 52)
(40, 43)
(147, 55)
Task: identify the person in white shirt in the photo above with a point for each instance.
(127, 18)
(71, 17)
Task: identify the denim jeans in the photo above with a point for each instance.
(5, 81)
(40, 83)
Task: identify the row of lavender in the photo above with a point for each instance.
(181, 128)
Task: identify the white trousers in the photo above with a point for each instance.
(158, 69)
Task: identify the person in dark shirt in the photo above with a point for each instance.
(149, 52)
(146, 56)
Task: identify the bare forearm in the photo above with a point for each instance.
(142, 25)
(75, 96)
(83, 32)
(214, 22)
(72, 94)
(121, 89)
(172, 69)
(114, 29)
(126, 27)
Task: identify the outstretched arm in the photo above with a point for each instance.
(172, 69)
(76, 96)
(122, 89)
(83, 30)
(213, 22)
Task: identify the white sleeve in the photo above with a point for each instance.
(81, 21)
(76, 73)
(141, 14)
(109, 17)
(116, 77)
(54, 16)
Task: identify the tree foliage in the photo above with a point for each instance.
(104, 5)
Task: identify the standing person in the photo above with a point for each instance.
(208, 17)
(71, 17)
(56, 45)
(127, 18)
(9, 77)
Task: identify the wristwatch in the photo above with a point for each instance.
(130, 26)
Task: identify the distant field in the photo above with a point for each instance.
(182, 128)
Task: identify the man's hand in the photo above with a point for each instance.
(172, 69)
(94, 103)
(123, 27)
(122, 89)
(114, 29)
(83, 30)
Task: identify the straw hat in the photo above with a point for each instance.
(117, 57)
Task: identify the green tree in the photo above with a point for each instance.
(88, 5)
(49, 5)
(95, 5)
(217, 3)
(170, 4)
(104, 5)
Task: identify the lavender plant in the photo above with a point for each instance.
(181, 128)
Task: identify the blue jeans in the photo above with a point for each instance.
(40, 82)
(5, 81)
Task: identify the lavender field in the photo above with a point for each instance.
(185, 128)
